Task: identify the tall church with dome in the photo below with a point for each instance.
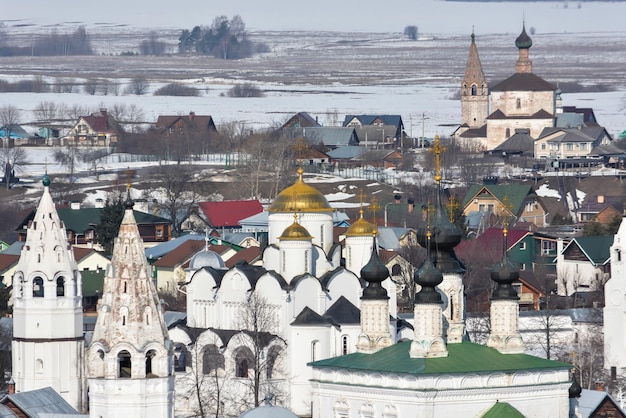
(308, 303)
(491, 115)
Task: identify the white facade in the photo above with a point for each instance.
(615, 307)
(48, 344)
(130, 360)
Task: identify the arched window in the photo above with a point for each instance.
(212, 359)
(61, 286)
(272, 358)
(148, 315)
(345, 341)
(314, 350)
(125, 286)
(474, 90)
(341, 409)
(396, 270)
(150, 355)
(39, 366)
(182, 359)
(243, 360)
(124, 364)
(37, 287)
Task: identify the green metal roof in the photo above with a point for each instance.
(503, 410)
(93, 282)
(80, 220)
(597, 248)
(465, 357)
(515, 193)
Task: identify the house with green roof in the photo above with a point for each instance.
(584, 265)
(489, 204)
(80, 224)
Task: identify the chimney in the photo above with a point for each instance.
(599, 386)
(600, 198)
(103, 112)
(192, 115)
(397, 198)
(411, 205)
(11, 384)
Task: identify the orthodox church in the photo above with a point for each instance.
(437, 374)
(491, 115)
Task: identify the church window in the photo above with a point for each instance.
(474, 90)
(345, 342)
(242, 362)
(150, 355)
(212, 359)
(125, 286)
(314, 350)
(284, 261)
(306, 261)
(618, 255)
(37, 287)
(322, 236)
(272, 357)
(39, 258)
(181, 358)
(507, 133)
(148, 314)
(39, 366)
(123, 319)
(124, 364)
(341, 409)
(396, 270)
(61, 286)
(518, 103)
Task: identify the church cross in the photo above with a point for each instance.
(452, 205)
(300, 148)
(437, 149)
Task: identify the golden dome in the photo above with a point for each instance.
(361, 228)
(300, 197)
(295, 232)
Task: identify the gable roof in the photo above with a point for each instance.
(591, 401)
(524, 82)
(595, 248)
(514, 192)
(503, 409)
(35, 402)
(343, 312)
(228, 213)
(309, 317)
(102, 121)
(249, 255)
(301, 120)
(520, 142)
(331, 136)
(180, 254)
(346, 152)
(395, 120)
(200, 124)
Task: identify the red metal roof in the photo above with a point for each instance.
(228, 213)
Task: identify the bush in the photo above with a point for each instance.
(174, 89)
(245, 90)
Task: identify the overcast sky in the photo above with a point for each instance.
(431, 16)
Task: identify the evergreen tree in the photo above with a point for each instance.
(109, 226)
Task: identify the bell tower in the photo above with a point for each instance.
(474, 91)
(130, 359)
(48, 345)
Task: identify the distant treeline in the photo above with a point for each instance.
(532, 1)
(76, 43)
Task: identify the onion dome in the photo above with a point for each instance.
(361, 228)
(575, 390)
(428, 277)
(300, 197)
(445, 236)
(504, 274)
(374, 273)
(46, 180)
(206, 258)
(523, 41)
(295, 232)
(128, 203)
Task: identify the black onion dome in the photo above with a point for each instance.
(46, 180)
(428, 276)
(575, 390)
(523, 41)
(128, 203)
(374, 273)
(504, 274)
(445, 236)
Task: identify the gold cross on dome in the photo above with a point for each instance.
(437, 149)
(452, 205)
(375, 207)
(508, 208)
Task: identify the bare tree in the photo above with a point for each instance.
(258, 318)
(9, 119)
(411, 32)
(177, 186)
(68, 156)
(91, 86)
(12, 159)
(413, 254)
(138, 85)
(46, 111)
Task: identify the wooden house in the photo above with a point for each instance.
(198, 131)
(97, 129)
